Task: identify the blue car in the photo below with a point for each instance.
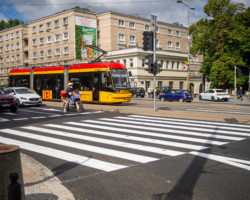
(177, 95)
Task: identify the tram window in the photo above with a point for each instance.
(76, 83)
(106, 80)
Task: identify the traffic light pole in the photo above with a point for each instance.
(154, 60)
(235, 94)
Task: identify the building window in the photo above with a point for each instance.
(172, 64)
(169, 32)
(7, 59)
(17, 33)
(125, 62)
(66, 50)
(17, 57)
(196, 58)
(177, 33)
(1, 38)
(159, 83)
(41, 53)
(177, 45)
(171, 84)
(131, 63)
(161, 63)
(1, 60)
(121, 37)
(131, 25)
(12, 35)
(57, 23)
(146, 27)
(34, 55)
(49, 53)
(143, 62)
(34, 42)
(65, 21)
(181, 86)
(1, 72)
(57, 52)
(7, 47)
(57, 37)
(121, 23)
(65, 35)
(42, 40)
(49, 25)
(157, 30)
(1, 49)
(132, 39)
(34, 29)
(12, 46)
(169, 44)
(7, 36)
(41, 27)
(49, 39)
(18, 45)
(8, 70)
(178, 65)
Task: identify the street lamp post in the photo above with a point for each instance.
(188, 60)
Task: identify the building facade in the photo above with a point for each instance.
(52, 41)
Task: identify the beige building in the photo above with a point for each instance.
(50, 41)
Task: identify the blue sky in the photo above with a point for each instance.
(165, 10)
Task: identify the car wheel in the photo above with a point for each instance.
(142, 96)
(225, 99)
(180, 100)
(213, 99)
(162, 99)
(200, 97)
(13, 109)
(18, 102)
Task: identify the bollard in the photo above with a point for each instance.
(10, 161)
(14, 189)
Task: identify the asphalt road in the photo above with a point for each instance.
(110, 155)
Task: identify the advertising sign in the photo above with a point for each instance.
(85, 30)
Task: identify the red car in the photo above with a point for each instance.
(8, 101)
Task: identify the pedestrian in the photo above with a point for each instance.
(240, 93)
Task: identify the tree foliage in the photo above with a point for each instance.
(10, 23)
(223, 39)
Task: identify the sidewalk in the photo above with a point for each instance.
(41, 184)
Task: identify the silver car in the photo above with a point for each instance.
(215, 95)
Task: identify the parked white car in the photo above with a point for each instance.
(215, 95)
(25, 96)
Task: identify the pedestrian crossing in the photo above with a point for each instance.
(123, 141)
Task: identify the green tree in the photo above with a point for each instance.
(223, 39)
(10, 23)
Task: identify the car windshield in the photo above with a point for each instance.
(220, 91)
(2, 92)
(24, 91)
(186, 92)
(120, 78)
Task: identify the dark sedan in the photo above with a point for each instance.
(177, 95)
(7, 101)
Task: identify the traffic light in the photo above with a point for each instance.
(238, 72)
(148, 40)
(158, 68)
(149, 63)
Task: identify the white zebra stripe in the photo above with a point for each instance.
(90, 148)
(63, 155)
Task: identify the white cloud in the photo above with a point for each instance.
(2, 17)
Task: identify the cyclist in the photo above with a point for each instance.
(69, 92)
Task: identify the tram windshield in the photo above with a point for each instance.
(120, 79)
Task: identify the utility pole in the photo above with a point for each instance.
(235, 92)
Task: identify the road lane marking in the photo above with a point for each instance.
(39, 117)
(127, 137)
(193, 121)
(172, 131)
(183, 123)
(168, 143)
(49, 109)
(63, 155)
(4, 120)
(227, 160)
(18, 119)
(85, 147)
(173, 127)
(106, 141)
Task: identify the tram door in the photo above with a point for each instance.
(96, 86)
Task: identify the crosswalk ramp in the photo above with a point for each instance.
(109, 144)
